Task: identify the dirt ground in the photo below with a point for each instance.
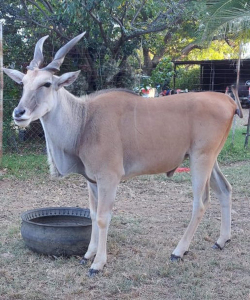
(149, 217)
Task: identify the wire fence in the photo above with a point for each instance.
(1, 93)
(106, 73)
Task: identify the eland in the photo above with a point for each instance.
(113, 135)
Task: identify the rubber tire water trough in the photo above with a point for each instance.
(58, 231)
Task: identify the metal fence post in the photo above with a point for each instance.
(1, 93)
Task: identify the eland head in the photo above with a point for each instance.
(40, 84)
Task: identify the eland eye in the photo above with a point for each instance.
(47, 84)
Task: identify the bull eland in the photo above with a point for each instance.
(112, 135)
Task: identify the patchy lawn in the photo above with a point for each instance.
(150, 216)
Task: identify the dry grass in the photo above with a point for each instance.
(150, 215)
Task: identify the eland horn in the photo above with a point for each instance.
(38, 54)
(54, 66)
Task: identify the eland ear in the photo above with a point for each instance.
(14, 74)
(66, 79)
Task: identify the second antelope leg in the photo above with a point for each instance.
(201, 171)
(223, 191)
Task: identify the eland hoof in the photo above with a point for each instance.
(83, 261)
(93, 272)
(217, 246)
(174, 258)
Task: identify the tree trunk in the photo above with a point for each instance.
(147, 65)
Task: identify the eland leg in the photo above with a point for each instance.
(93, 202)
(201, 171)
(106, 197)
(223, 191)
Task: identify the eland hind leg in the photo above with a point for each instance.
(223, 191)
(201, 169)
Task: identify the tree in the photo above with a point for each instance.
(163, 73)
(114, 30)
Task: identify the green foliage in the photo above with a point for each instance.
(163, 73)
(216, 50)
(12, 92)
(226, 18)
(187, 77)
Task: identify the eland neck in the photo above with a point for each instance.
(63, 123)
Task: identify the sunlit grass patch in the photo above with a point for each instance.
(24, 166)
(233, 149)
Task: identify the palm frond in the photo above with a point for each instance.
(226, 17)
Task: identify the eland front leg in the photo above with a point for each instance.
(93, 202)
(106, 189)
